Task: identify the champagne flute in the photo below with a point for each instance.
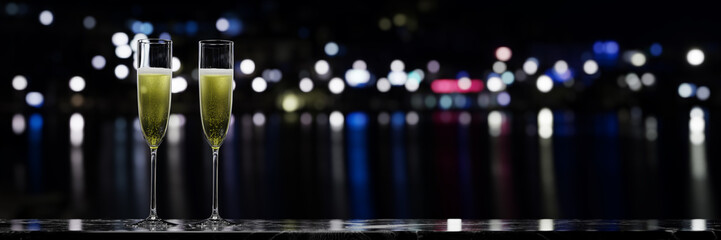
(216, 97)
(154, 74)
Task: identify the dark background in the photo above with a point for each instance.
(601, 161)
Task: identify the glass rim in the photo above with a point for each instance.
(155, 41)
(215, 42)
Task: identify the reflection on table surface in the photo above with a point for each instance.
(431, 225)
(472, 164)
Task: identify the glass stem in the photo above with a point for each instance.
(153, 163)
(214, 214)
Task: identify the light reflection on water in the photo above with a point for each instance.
(380, 165)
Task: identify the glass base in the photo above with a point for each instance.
(152, 224)
(212, 224)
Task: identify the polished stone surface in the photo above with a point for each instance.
(368, 229)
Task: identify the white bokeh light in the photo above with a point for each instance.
(544, 83)
(530, 67)
(336, 85)
(638, 59)
(397, 78)
(123, 51)
(560, 67)
(259, 84)
(633, 82)
(34, 99)
(336, 120)
(695, 57)
(359, 64)
(46, 17)
(648, 79)
(321, 67)
(495, 121)
(357, 77)
(545, 123)
(703, 93)
(383, 85)
(222, 24)
(119, 39)
(412, 118)
(18, 124)
(176, 64)
(495, 84)
(590, 67)
(259, 119)
(178, 84)
(685, 90)
(77, 83)
(121, 71)
(306, 85)
(247, 66)
(98, 62)
(412, 85)
(397, 65)
(20, 82)
(331, 48)
(77, 124)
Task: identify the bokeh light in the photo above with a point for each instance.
(703, 93)
(76, 84)
(530, 66)
(247, 66)
(545, 123)
(433, 66)
(179, 84)
(336, 86)
(590, 67)
(397, 65)
(306, 85)
(656, 49)
(222, 24)
(648, 79)
(686, 90)
(503, 53)
(359, 64)
(176, 64)
(20, 82)
(259, 84)
(321, 67)
(560, 67)
(638, 59)
(383, 85)
(34, 99)
(503, 99)
(495, 84)
(123, 51)
(695, 57)
(18, 124)
(46, 17)
(119, 39)
(121, 71)
(544, 83)
(89, 22)
(98, 62)
(331, 49)
(499, 67)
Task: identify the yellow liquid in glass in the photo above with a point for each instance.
(154, 103)
(216, 97)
